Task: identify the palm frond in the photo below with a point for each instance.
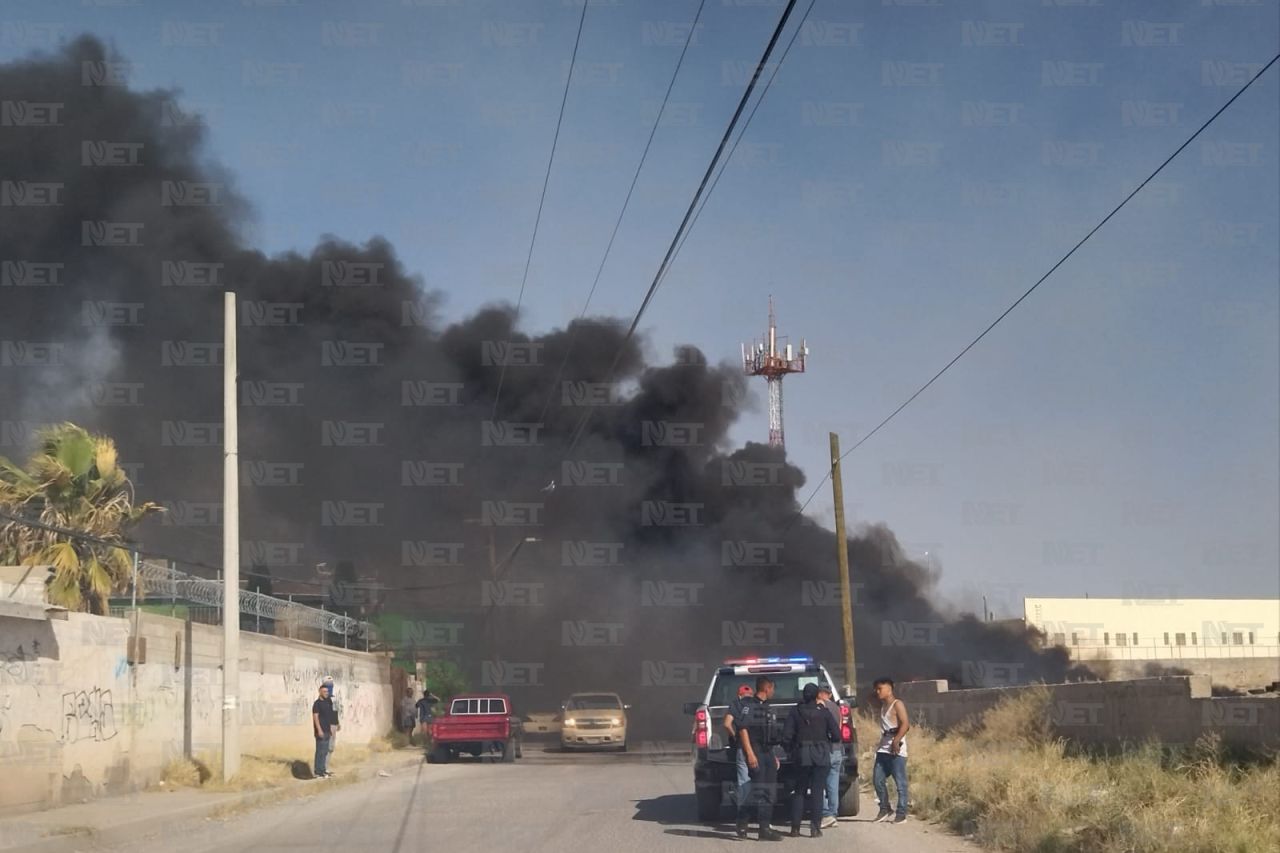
(105, 458)
(65, 592)
(73, 481)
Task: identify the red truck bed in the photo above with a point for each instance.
(476, 723)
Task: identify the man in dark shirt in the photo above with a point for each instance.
(747, 720)
(742, 791)
(809, 734)
(426, 710)
(323, 719)
(334, 726)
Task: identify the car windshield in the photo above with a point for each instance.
(593, 702)
(787, 685)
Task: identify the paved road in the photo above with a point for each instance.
(545, 802)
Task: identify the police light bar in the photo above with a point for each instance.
(756, 661)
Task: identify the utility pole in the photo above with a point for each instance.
(842, 561)
(506, 562)
(230, 548)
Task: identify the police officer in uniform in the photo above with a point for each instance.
(750, 719)
(809, 735)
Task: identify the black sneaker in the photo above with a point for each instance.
(884, 814)
(817, 833)
(900, 818)
(770, 835)
(742, 830)
(795, 832)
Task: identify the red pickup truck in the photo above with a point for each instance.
(476, 723)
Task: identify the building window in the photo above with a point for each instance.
(1224, 638)
(1237, 638)
(1106, 638)
(1251, 638)
(1058, 639)
(1180, 639)
(1166, 638)
(1135, 638)
(1075, 638)
(1121, 640)
(1193, 638)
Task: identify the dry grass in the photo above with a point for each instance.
(258, 772)
(183, 773)
(1010, 785)
(392, 740)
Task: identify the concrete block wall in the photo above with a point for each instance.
(1171, 710)
(79, 720)
(1238, 673)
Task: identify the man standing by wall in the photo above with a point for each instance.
(426, 711)
(408, 715)
(323, 718)
(334, 706)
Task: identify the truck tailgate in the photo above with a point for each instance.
(473, 727)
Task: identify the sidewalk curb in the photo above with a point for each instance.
(125, 833)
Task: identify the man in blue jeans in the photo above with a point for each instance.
(891, 752)
(322, 719)
(832, 801)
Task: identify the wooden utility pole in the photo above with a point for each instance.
(842, 561)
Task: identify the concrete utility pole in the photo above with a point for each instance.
(230, 549)
(842, 561)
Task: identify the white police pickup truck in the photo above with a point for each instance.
(714, 773)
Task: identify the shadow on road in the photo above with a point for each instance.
(408, 809)
(677, 811)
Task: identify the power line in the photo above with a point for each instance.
(688, 215)
(621, 213)
(1039, 282)
(546, 180)
(746, 124)
(97, 540)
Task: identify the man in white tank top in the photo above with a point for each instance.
(891, 752)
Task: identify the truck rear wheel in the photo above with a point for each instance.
(708, 803)
(509, 751)
(850, 799)
(438, 755)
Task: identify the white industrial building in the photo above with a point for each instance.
(1158, 629)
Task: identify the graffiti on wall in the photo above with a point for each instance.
(14, 665)
(88, 715)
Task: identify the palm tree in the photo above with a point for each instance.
(72, 481)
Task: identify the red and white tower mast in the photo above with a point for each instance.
(772, 360)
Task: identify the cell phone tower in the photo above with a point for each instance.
(763, 358)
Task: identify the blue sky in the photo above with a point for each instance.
(912, 170)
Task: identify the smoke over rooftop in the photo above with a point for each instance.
(368, 433)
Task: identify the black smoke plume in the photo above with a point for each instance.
(368, 436)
